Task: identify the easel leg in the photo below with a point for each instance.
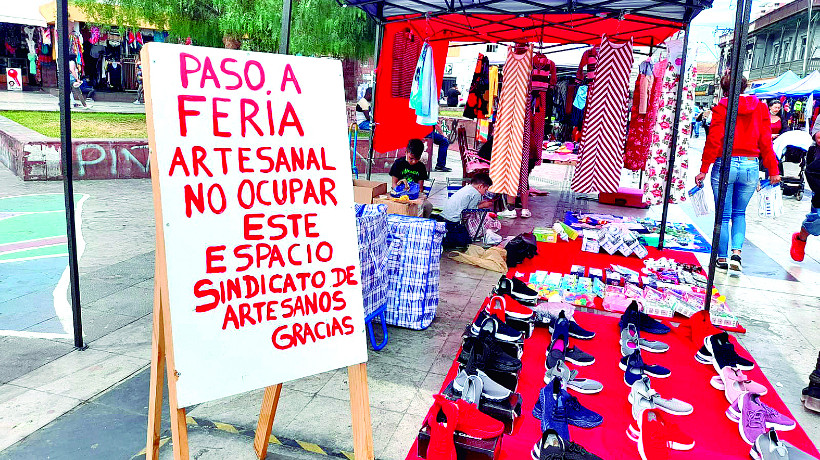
(360, 411)
(157, 372)
(265, 423)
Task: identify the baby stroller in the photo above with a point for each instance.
(792, 150)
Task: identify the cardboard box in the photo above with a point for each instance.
(412, 208)
(365, 190)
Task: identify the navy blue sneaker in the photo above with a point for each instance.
(575, 413)
(634, 368)
(560, 331)
(643, 321)
(575, 330)
(551, 409)
(499, 328)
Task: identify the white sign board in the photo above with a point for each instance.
(14, 79)
(257, 212)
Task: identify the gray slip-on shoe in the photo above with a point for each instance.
(569, 378)
(629, 340)
(472, 390)
(490, 389)
(768, 446)
(642, 389)
(653, 346)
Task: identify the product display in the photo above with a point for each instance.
(768, 446)
(553, 446)
(516, 289)
(705, 355)
(658, 435)
(500, 329)
(643, 394)
(554, 399)
(489, 388)
(755, 417)
(570, 379)
(644, 322)
(634, 368)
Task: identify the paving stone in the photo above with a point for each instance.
(21, 355)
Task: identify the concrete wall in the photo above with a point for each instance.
(32, 156)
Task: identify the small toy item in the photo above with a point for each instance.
(571, 232)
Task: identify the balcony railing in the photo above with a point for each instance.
(772, 71)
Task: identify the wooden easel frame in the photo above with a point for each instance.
(162, 347)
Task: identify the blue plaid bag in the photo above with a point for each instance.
(371, 223)
(413, 265)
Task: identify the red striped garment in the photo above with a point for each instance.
(508, 139)
(604, 133)
(406, 51)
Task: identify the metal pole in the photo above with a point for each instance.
(284, 35)
(808, 41)
(674, 149)
(378, 51)
(744, 10)
(66, 154)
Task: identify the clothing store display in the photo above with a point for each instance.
(644, 322)
(541, 112)
(477, 105)
(659, 152)
(526, 152)
(570, 380)
(643, 85)
(406, 50)
(604, 129)
(501, 331)
(641, 126)
(590, 60)
(552, 446)
(516, 289)
(768, 446)
(493, 91)
(424, 91)
(508, 139)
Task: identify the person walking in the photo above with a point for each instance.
(443, 146)
(697, 117)
(74, 79)
(452, 96)
(752, 145)
(811, 224)
(140, 91)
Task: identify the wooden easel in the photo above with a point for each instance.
(162, 348)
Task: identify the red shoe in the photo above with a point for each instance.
(515, 310)
(442, 446)
(652, 443)
(798, 250)
(477, 424)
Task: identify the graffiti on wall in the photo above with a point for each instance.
(92, 159)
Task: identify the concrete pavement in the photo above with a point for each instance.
(45, 102)
(59, 403)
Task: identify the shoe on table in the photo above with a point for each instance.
(552, 447)
(629, 340)
(578, 357)
(525, 213)
(768, 446)
(551, 409)
(513, 308)
(634, 368)
(575, 330)
(798, 249)
(442, 420)
(569, 378)
(500, 330)
(508, 214)
(554, 395)
(642, 391)
(728, 355)
(475, 423)
(489, 388)
(735, 265)
(643, 321)
(487, 354)
(811, 394)
(756, 417)
(658, 435)
(516, 289)
(738, 378)
(443, 169)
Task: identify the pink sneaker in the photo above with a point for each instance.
(731, 384)
(745, 384)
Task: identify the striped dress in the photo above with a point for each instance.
(508, 138)
(605, 121)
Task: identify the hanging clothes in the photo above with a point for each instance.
(508, 139)
(544, 75)
(424, 92)
(406, 51)
(478, 100)
(526, 153)
(542, 103)
(586, 69)
(657, 165)
(493, 94)
(643, 86)
(641, 126)
(604, 132)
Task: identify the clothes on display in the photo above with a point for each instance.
(406, 51)
(659, 151)
(478, 100)
(493, 91)
(544, 75)
(508, 142)
(604, 132)
(641, 126)
(589, 62)
(424, 91)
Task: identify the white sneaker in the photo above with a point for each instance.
(525, 213)
(137, 102)
(508, 214)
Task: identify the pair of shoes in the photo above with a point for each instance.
(447, 417)
(768, 446)
(508, 214)
(484, 351)
(631, 341)
(643, 397)
(516, 289)
(552, 446)
(798, 249)
(721, 265)
(754, 417)
(735, 265)
(811, 394)
(510, 307)
(557, 409)
(489, 388)
(642, 321)
(559, 349)
(728, 355)
(575, 331)
(658, 435)
(634, 369)
(569, 378)
(525, 213)
(497, 328)
(442, 169)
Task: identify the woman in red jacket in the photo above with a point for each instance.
(752, 146)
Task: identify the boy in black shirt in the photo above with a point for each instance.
(411, 169)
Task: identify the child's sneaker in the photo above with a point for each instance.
(798, 249)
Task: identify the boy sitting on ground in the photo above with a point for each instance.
(468, 197)
(411, 169)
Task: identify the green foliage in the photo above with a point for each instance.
(318, 27)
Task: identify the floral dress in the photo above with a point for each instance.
(657, 165)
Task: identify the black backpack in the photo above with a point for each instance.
(520, 248)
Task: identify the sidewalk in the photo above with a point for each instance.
(44, 102)
(60, 403)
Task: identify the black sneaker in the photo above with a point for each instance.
(735, 265)
(705, 356)
(492, 358)
(516, 289)
(811, 394)
(552, 446)
(641, 320)
(499, 329)
(575, 330)
(443, 169)
(721, 265)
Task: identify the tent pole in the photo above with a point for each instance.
(738, 56)
(378, 51)
(67, 155)
(673, 151)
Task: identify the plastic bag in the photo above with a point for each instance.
(770, 200)
(699, 200)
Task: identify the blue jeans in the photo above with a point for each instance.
(696, 128)
(443, 145)
(743, 180)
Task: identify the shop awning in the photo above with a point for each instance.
(801, 88)
(647, 22)
(784, 81)
(22, 12)
(77, 14)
